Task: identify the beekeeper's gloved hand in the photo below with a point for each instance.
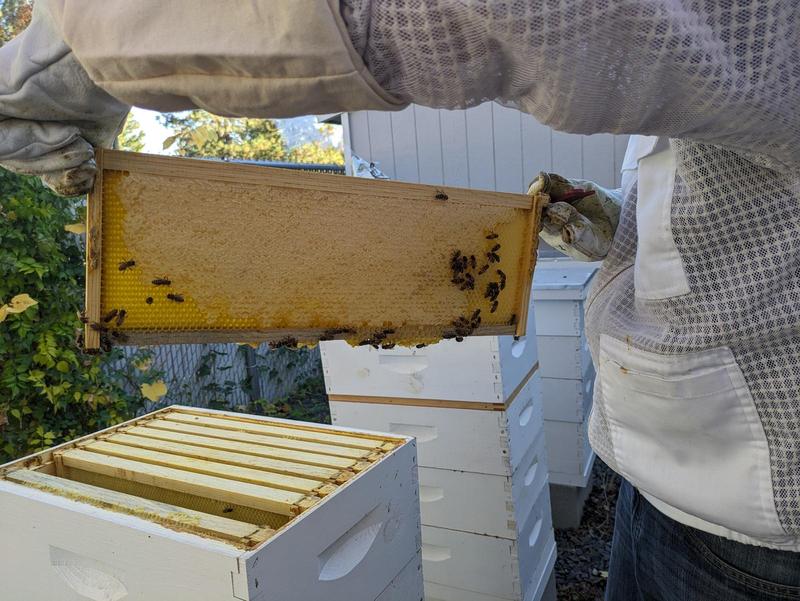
(51, 113)
(581, 217)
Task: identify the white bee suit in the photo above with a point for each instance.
(694, 318)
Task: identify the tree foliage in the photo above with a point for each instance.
(49, 390)
(132, 136)
(15, 15)
(201, 134)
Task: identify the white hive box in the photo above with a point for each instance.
(451, 437)
(483, 503)
(559, 291)
(482, 369)
(568, 400)
(569, 453)
(488, 565)
(564, 357)
(197, 505)
(407, 585)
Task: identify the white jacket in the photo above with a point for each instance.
(693, 319)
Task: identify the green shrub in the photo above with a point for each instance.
(49, 390)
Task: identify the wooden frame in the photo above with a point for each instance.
(334, 186)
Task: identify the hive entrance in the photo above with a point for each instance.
(227, 477)
(203, 251)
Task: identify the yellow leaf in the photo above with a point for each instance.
(20, 303)
(154, 391)
(3, 312)
(75, 228)
(169, 142)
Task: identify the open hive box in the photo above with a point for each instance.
(232, 506)
(183, 250)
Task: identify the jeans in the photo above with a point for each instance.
(654, 558)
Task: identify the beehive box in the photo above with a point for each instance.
(453, 435)
(183, 250)
(486, 370)
(487, 565)
(569, 452)
(568, 400)
(196, 505)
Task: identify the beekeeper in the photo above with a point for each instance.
(694, 319)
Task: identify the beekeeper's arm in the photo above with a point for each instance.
(657, 67)
(51, 113)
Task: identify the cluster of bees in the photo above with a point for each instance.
(108, 336)
(116, 317)
(464, 270)
(378, 339)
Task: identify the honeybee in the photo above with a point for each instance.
(440, 195)
(493, 257)
(110, 315)
(121, 317)
(97, 327)
(502, 278)
(494, 307)
(483, 269)
(495, 248)
(513, 320)
(175, 298)
(491, 236)
(459, 339)
(421, 345)
(127, 264)
(288, 341)
(162, 282)
(149, 300)
(388, 346)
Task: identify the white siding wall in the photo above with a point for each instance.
(488, 147)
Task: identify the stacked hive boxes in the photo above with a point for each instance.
(475, 410)
(559, 293)
(193, 505)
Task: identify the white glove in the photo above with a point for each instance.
(580, 219)
(51, 113)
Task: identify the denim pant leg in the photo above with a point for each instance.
(622, 585)
(663, 560)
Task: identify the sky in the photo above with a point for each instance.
(294, 130)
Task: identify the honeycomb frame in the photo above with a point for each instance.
(408, 263)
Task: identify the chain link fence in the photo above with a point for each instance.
(225, 375)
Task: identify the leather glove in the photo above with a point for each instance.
(51, 113)
(581, 217)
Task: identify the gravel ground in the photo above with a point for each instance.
(583, 553)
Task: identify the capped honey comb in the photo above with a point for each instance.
(187, 250)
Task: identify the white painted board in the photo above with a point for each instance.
(356, 539)
(569, 453)
(486, 369)
(564, 356)
(486, 442)
(483, 503)
(535, 592)
(56, 549)
(568, 400)
(407, 585)
(485, 564)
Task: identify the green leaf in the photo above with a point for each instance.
(62, 366)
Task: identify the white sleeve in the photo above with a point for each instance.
(51, 113)
(715, 71)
